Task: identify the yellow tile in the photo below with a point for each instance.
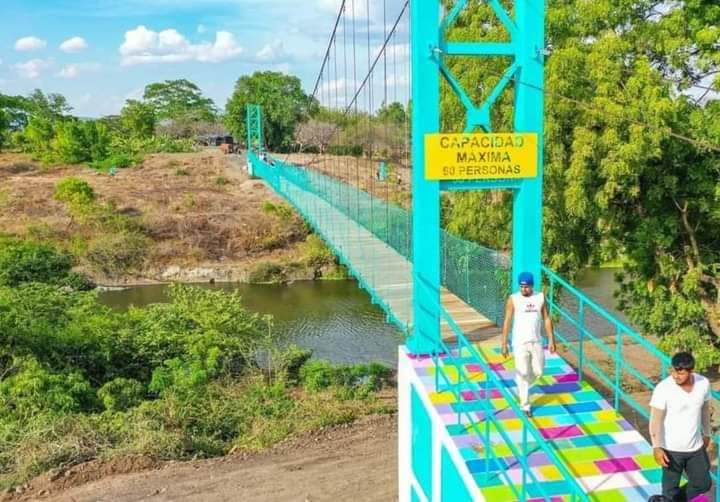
(554, 399)
(543, 421)
(477, 377)
(445, 397)
(512, 424)
(584, 469)
(550, 472)
(607, 415)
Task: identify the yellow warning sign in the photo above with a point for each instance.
(480, 156)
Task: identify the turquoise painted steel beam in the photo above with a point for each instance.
(425, 40)
(478, 49)
(452, 15)
(529, 108)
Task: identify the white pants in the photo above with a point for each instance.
(529, 364)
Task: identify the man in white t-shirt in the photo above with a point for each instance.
(680, 429)
(529, 311)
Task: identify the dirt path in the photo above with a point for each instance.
(352, 462)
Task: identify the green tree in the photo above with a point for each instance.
(393, 113)
(138, 118)
(69, 144)
(51, 105)
(37, 136)
(283, 101)
(618, 184)
(179, 100)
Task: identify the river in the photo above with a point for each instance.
(333, 318)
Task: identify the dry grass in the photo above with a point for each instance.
(189, 217)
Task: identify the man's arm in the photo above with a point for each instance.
(706, 424)
(548, 328)
(657, 417)
(509, 310)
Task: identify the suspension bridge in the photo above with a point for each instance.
(369, 189)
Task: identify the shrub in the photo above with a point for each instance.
(318, 375)
(75, 191)
(118, 161)
(266, 272)
(121, 394)
(316, 252)
(221, 181)
(76, 282)
(119, 253)
(29, 261)
(290, 361)
(32, 389)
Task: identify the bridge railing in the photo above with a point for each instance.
(575, 310)
(476, 274)
(280, 178)
(445, 357)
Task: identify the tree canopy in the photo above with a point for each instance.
(283, 101)
(179, 100)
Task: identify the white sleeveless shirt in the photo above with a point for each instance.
(527, 318)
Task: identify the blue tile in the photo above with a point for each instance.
(597, 440)
(478, 465)
(581, 407)
(560, 388)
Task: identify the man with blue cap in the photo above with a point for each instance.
(528, 311)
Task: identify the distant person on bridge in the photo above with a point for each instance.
(528, 311)
(680, 429)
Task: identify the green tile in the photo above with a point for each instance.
(608, 496)
(499, 492)
(646, 461)
(601, 427)
(585, 454)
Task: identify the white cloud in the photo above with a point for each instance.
(273, 52)
(33, 68)
(27, 44)
(74, 44)
(75, 69)
(144, 46)
(201, 29)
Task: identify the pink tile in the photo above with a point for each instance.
(473, 368)
(572, 377)
(617, 465)
(497, 366)
(561, 432)
(701, 498)
(469, 395)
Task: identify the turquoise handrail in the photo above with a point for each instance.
(578, 493)
(620, 364)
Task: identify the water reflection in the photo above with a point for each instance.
(334, 318)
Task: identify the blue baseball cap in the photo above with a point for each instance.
(526, 278)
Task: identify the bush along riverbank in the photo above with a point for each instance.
(197, 377)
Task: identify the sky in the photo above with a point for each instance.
(99, 53)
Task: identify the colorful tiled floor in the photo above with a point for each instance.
(608, 457)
